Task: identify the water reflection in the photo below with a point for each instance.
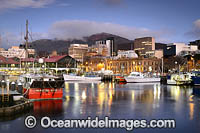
(48, 107)
(102, 98)
(124, 101)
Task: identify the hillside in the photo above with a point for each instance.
(46, 46)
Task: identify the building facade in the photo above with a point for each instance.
(60, 61)
(182, 48)
(15, 51)
(107, 44)
(127, 54)
(128, 65)
(123, 65)
(8, 62)
(195, 43)
(78, 51)
(144, 46)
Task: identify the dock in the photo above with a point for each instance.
(10, 107)
(16, 109)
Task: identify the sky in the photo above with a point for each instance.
(167, 20)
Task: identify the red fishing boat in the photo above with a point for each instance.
(120, 79)
(42, 87)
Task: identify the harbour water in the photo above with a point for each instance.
(118, 101)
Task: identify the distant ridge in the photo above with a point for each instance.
(46, 46)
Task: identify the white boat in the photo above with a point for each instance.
(137, 77)
(180, 79)
(80, 78)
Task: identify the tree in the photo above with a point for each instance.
(173, 63)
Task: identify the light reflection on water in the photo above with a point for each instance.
(122, 101)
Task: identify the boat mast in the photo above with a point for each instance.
(26, 45)
(26, 39)
(162, 65)
(0, 40)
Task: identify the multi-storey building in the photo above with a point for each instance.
(128, 65)
(15, 51)
(182, 48)
(195, 43)
(144, 46)
(127, 54)
(78, 51)
(107, 44)
(123, 65)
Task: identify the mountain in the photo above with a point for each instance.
(103, 36)
(46, 46)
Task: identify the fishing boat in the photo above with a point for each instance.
(138, 77)
(41, 86)
(196, 78)
(180, 79)
(87, 78)
(120, 79)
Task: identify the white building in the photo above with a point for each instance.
(109, 44)
(15, 51)
(78, 51)
(183, 48)
(158, 53)
(127, 54)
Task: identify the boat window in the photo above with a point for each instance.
(135, 74)
(47, 84)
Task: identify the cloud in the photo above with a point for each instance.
(17, 4)
(64, 4)
(113, 2)
(79, 28)
(195, 31)
(9, 39)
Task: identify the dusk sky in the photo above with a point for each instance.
(166, 20)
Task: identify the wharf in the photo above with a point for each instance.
(16, 109)
(10, 107)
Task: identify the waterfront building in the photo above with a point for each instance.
(60, 61)
(127, 54)
(114, 44)
(15, 51)
(183, 49)
(98, 50)
(158, 53)
(168, 50)
(78, 51)
(125, 46)
(128, 65)
(144, 46)
(109, 45)
(94, 63)
(2, 49)
(195, 43)
(174, 49)
(8, 62)
(123, 65)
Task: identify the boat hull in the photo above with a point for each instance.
(178, 82)
(120, 79)
(46, 93)
(196, 80)
(80, 78)
(141, 80)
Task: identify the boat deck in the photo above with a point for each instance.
(4, 92)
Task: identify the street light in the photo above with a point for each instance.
(41, 61)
